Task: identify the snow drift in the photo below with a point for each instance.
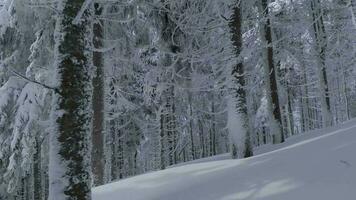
(320, 165)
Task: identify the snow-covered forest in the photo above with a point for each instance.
(94, 91)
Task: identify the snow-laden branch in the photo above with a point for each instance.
(32, 81)
(5, 66)
(84, 7)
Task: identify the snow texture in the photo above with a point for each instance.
(317, 165)
(236, 128)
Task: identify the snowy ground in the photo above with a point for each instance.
(320, 165)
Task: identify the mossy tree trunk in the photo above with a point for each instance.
(70, 168)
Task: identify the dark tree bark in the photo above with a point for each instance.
(162, 142)
(193, 153)
(72, 140)
(202, 140)
(212, 130)
(239, 76)
(37, 178)
(98, 104)
(273, 86)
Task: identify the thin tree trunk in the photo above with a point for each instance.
(271, 77)
(213, 129)
(307, 114)
(191, 126)
(162, 141)
(346, 97)
(321, 44)
(37, 178)
(202, 140)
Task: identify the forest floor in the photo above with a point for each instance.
(319, 165)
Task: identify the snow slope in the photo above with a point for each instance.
(320, 165)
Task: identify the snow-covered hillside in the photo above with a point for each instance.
(316, 166)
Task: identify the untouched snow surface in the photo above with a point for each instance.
(320, 165)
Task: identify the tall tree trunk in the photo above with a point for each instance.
(271, 76)
(98, 104)
(239, 81)
(168, 128)
(343, 18)
(321, 44)
(70, 163)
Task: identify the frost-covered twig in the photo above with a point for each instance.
(81, 12)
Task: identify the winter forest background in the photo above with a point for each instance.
(96, 91)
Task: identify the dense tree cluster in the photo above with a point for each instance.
(93, 91)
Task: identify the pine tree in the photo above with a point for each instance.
(70, 167)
